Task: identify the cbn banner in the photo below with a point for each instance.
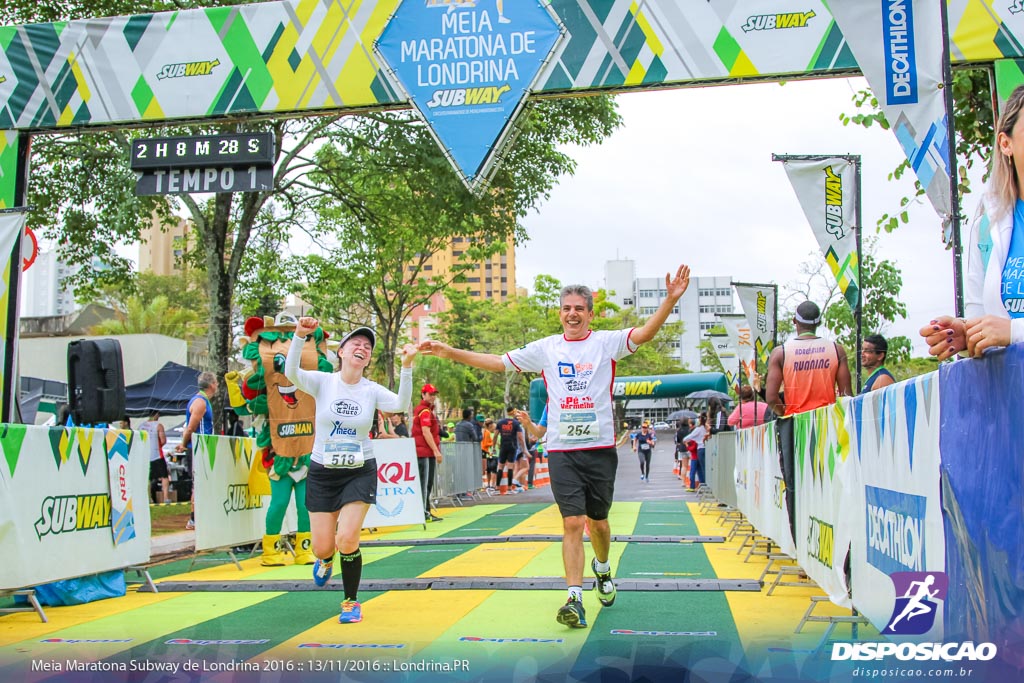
(894, 522)
(228, 514)
(764, 502)
(827, 191)
(821, 448)
(738, 329)
(55, 502)
(898, 45)
(726, 352)
(759, 305)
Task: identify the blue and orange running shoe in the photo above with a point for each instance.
(351, 612)
(322, 570)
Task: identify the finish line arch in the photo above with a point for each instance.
(303, 57)
(649, 387)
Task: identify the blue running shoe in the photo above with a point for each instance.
(571, 614)
(322, 570)
(351, 612)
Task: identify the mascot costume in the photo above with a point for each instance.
(285, 419)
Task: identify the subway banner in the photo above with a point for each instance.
(762, 493)
(894, 519)
(826, 188)
(898, 45)
(228, 514)
(821, 450)
(56, 502)
(738, 329)
(759, 305)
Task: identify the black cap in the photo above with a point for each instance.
(363, 331)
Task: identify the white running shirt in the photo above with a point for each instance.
(345, 412)
(578, 376)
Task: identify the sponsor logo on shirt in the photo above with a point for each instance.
(346, 408)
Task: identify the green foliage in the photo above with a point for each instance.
(973, 121)
(151, 316)
(909, 367)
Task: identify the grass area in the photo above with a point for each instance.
(168, 519)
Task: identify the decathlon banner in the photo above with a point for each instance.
(759, 305)
(765, 501)
(826, 188)
(898, 45)
(399, 494)
(55, 503)
(738, 329)
(894, 521)
(821, 449)
(726, 352)
(467, 67)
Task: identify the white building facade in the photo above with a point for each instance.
(42, 294)
(706, 298)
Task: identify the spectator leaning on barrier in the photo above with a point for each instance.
(749, 412)
(465, 430)
(994, 278)
(873, 351)
(200, 421)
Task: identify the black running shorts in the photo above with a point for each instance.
(328, 489)
(158, 469)
(583, 482)
(507, 456)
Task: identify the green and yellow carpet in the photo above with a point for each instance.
(252, 632)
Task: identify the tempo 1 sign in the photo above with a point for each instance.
(203, 180)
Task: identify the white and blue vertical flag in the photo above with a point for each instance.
(898, 45)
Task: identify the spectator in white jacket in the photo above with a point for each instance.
(994, 280)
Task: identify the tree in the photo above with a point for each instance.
(391, 202)
(973, 121)
(151, 316)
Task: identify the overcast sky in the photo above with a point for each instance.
(689, 179)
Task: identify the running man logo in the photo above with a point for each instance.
(458, 97)
(767, 22)
(834, 204)
(63, 514)
(915, 608)
(821, 542)
(239, 499)
(204, 68)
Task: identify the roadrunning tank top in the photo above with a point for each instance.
(809, 369)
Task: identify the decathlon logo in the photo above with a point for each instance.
(821, 541)
(895, 530)
(834, 204)
(186, 69)
(917, 594)
(900, 57)
(768, 22)
(64, 514)
(474, 639)
(949, 652)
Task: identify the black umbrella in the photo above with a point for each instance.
(680, 414)
(710, 393)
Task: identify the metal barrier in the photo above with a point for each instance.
(459, 471)
(720, 466)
